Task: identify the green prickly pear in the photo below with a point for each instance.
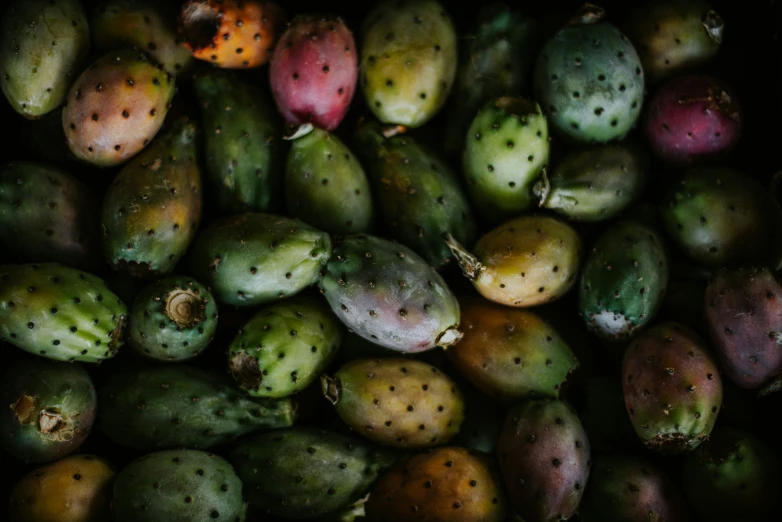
(408, 60)
(176, 406)
(43, 44)
(325, 184)
(60, 313)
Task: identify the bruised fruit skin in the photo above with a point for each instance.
(77, 488)
(230, 34)
(446, 484)
(48, 409)
(116, 107)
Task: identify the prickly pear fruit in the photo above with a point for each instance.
(497, 62)
(60, 313)
(542, 267)
(672, 388)
(153, 207)
(604, 416)
(589, 80)
(446, 484)
(510, 353)
(178, 485)
(397, 402)
(745, 324)
(254, 258)
(285, 347)
(325, 184)
(629, 488)
(674, 36)
(732, 476)
(418, 196)
(307, 472)
(231, 34)
(386, 293)
(408, 60)
(142, 24)
(507, 150)
(594, 183)
(241, 147)
(172, 319)
(43, 46)
(46, 215)
(313, 71)
(52, 408)
(693, 119)
(544, 458)
(181, 406)
(74, 489)
(116, 107)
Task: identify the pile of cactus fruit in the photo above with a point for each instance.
(397, 261)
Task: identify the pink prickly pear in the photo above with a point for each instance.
(313, 71)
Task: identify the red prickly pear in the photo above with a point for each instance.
(313, 71)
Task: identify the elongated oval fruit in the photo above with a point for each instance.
(52, 408)
(60, 313)
(176, 406)
(256, 258)
(408, 60)
(528, 261)
(386, 293)
(397, 402)
(43, 45)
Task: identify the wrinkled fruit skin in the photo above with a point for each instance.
(313, 71)
(172, 319)
(60, 313)
(307, 472)
(448, 484)
(397, 402)
(178, 485)
(406, 78)
(153, 207)
(510, 353)
(672, 388)
(74, 489)
(285, 347)
(254, 258)
(693, 119)
(386, 293)
(544, 457)
(744, 321)
(116, 107)
(43, 45)
(49, 409)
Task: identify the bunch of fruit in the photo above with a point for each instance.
(256, 267)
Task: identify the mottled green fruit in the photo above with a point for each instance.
(178, 486)
(153, 207)
(595, 183)
(46, 215)
(624, 280)
(408, 60)
(325, 184)
(60, 313)
(601, 408)
(285, 347)
(397, 402)
(179, 406)
(142, 24)
(43, 44)
(307, 472)
(255, 258)
(506, 151)
(417, 194)
(49, 408)
(244, 155)
(172, 319)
